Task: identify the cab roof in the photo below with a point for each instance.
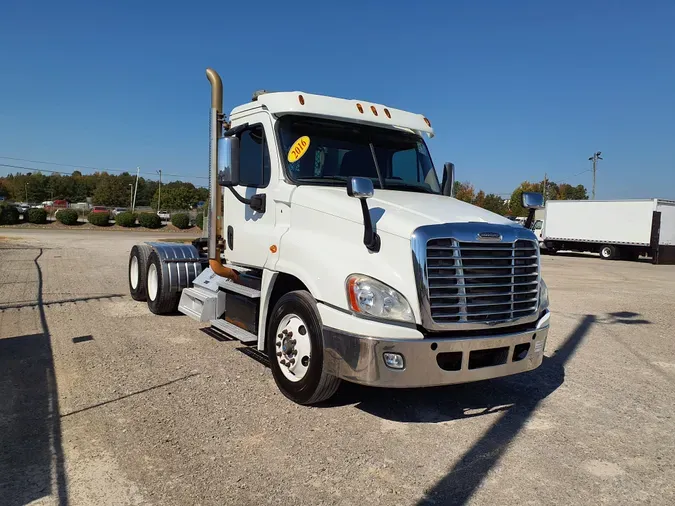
(360, 111)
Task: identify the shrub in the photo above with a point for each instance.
(200, 221)
(9, 215)
(180, 220)
(149, 220)
(37, 216)
(126, 219)
(67, 216)
(99, 219)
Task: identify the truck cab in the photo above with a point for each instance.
(334, 249)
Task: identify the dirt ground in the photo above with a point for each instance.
(102, 402)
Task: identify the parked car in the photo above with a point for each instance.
(118, 210)
(164, 215)
(22, 208)
(99, 209)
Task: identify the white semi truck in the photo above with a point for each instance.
(616, 229)
(333, 248)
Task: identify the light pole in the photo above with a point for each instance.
(131, 193)
(159, 191)
(596, 156)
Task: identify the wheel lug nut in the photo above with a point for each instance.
(282, 362)
(295, 352)
(278, 353)
(280, 336)
(291, 361)
(292, 342)
(278, 345)
(290, 334)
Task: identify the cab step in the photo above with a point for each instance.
(248, 287)
(233, 331)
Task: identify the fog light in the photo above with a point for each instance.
(394, 360)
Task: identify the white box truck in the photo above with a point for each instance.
(613, 228)
(333, 249)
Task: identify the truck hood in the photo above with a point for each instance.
(395, 212)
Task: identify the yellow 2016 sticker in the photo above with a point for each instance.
(298, 149)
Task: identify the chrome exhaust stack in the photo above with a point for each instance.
(215, 215)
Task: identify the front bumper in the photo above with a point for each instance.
(433, 362)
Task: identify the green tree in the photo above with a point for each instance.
(495, 203)
(176, 195)
(464, 191)
(569, 192)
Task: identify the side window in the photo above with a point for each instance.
(538, 225)
(404, 165)
(254, 158)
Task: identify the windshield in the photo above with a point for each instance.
(318, 151)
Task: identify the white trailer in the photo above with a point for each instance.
(613, 228)
(333, 249)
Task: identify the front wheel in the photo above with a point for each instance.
(294, 345)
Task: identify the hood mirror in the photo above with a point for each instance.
(360, 187)
(532, 200)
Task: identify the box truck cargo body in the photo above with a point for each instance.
(614, 228)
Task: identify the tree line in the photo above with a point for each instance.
(466, 192)
(102, 188)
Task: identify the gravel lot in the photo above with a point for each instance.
(102, 402)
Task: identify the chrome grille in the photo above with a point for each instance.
(482, 282)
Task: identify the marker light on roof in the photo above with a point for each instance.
(372, 108)
(427, 122)
(301, 99)
(360, 108)
(386, 111)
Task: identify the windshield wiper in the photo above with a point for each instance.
(395, 185)
(377, 165)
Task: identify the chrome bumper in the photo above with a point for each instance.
(359, 359)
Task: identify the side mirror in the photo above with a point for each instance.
(448, 179)
(531, 200)
(360, 187)
(228, 161)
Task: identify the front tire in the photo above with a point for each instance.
(138, 265)
(161, 300)
(294, 345)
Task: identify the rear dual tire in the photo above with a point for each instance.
(138, 266)
(161, 300)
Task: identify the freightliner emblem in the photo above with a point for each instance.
(489, 236)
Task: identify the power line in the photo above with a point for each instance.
(100, 169)
(38, 169)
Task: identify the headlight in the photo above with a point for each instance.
(543, 294)
(369, 296)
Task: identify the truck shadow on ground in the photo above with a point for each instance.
(31, 454)
(517, 397)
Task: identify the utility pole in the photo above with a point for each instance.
(131, 195)
(26, 193)
(545, 186)
(133, 203)
(159, 190)
(594, 159)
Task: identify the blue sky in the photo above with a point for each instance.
(513, 89)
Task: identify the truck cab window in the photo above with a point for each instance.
(254, 158)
